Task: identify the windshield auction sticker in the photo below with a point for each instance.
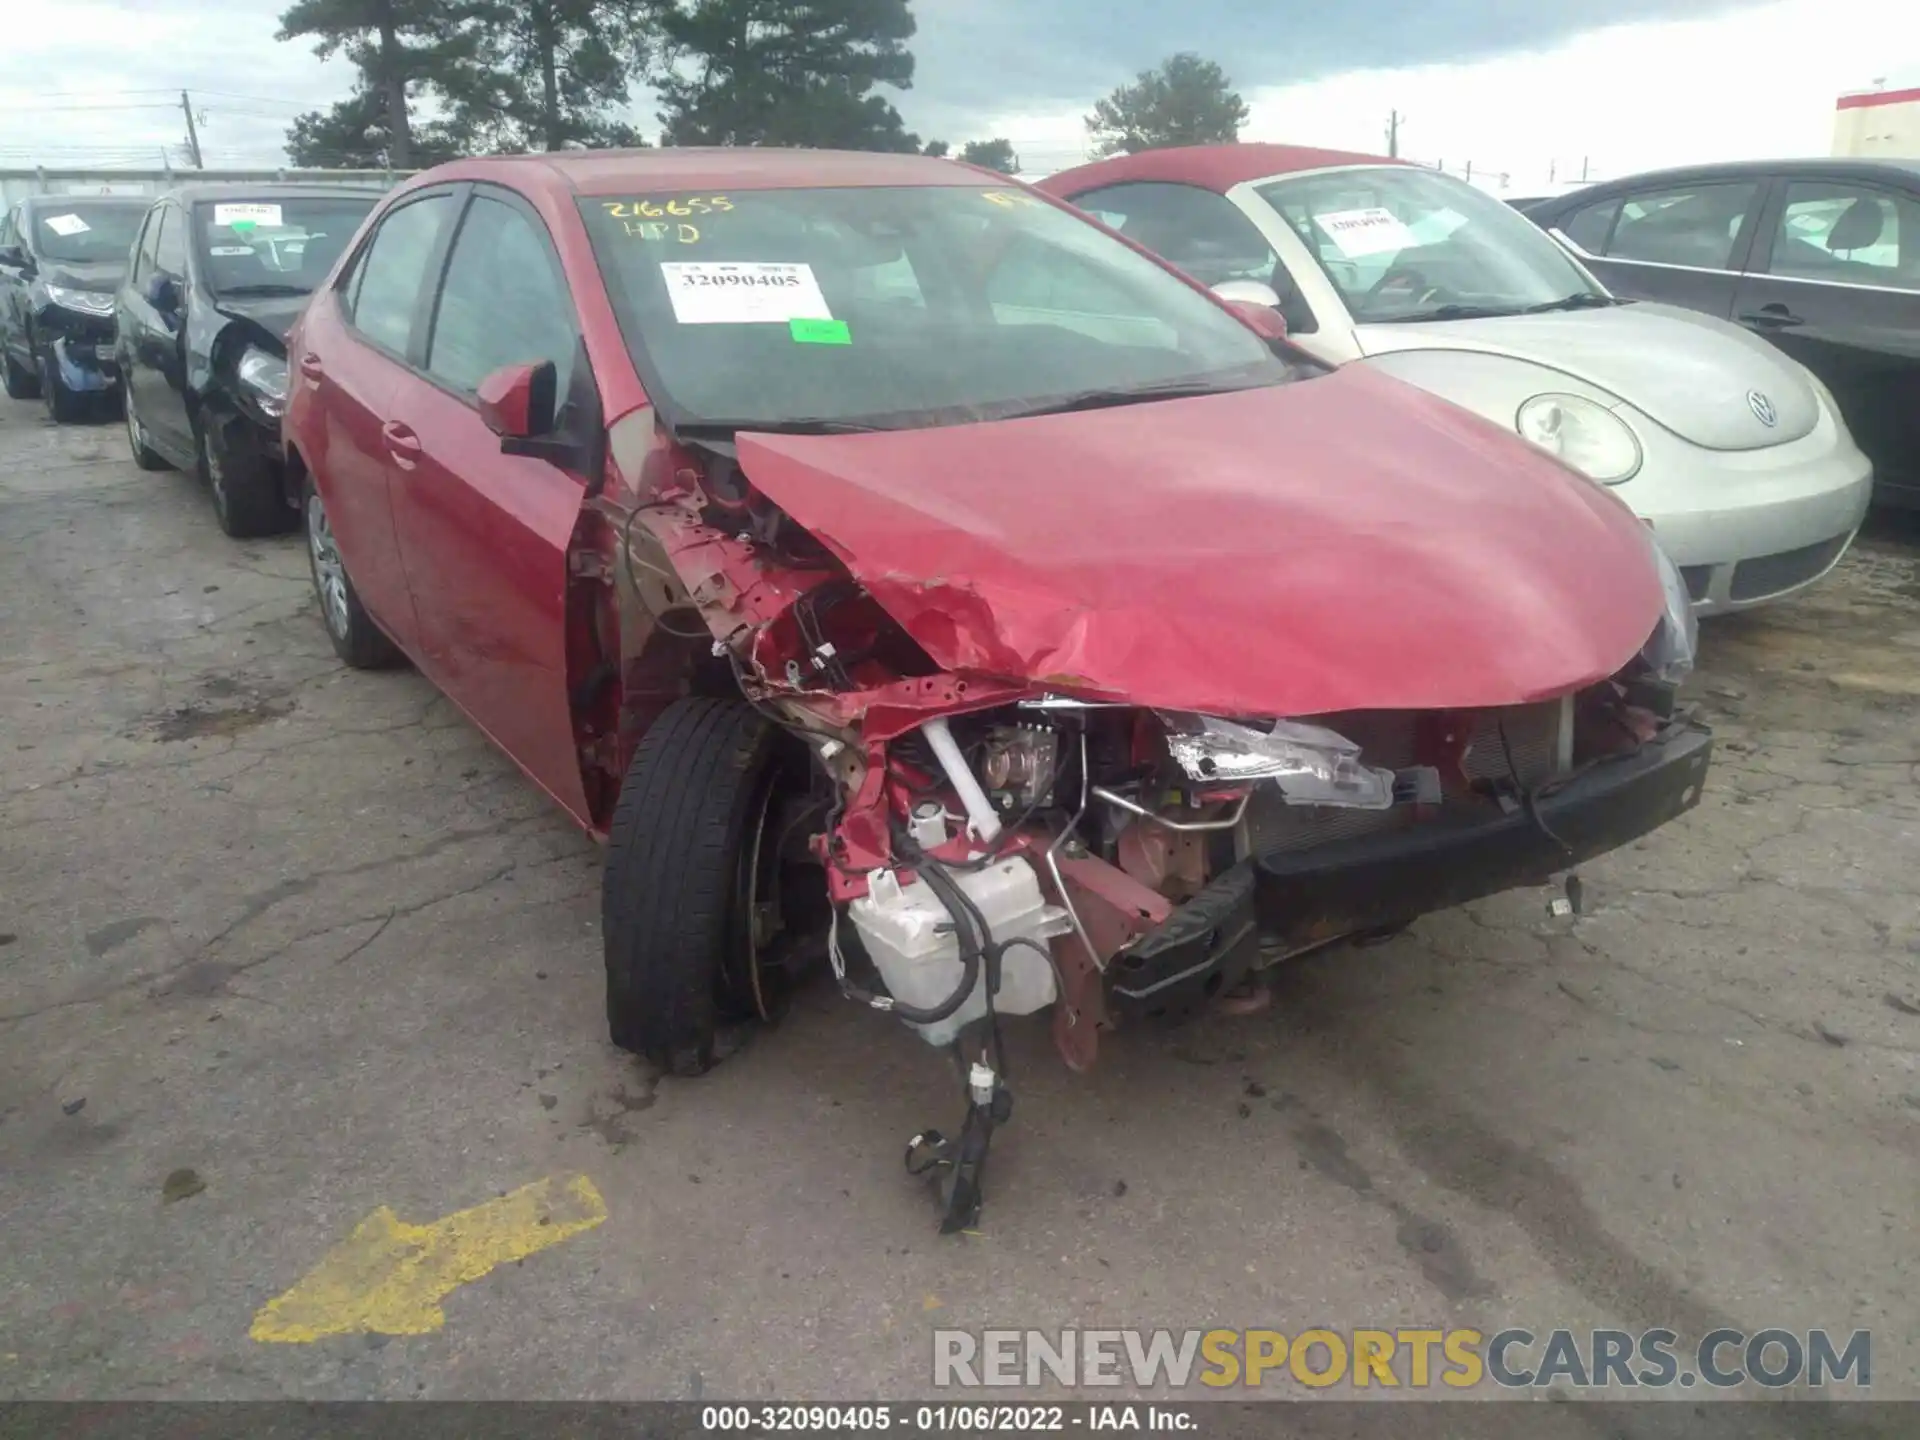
(246, 214)
(66, 224)
(746, 293)
(1364, 232)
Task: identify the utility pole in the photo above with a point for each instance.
(1585, 160)
(193, 136)
(1393, 134)
(1469, 172)
(1552, 166)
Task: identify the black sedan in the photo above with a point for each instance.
(61, 257)
(219, 277)
(1822, 257)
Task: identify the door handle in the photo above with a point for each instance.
(402, 444)
(1771, 317)
(310, 366)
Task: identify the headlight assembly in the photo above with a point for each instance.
(265, 377)
(1589, 437)
(85, 302)
(1311, 764)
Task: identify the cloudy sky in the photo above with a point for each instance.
(1522, 88)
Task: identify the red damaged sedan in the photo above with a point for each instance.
(904, 574)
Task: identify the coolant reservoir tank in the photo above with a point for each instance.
(912, 942)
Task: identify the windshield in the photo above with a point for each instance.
(274, 245)
(899, 306)
(1403, 243)
(86, 232)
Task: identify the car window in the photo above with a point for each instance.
(393, 271)
(1204, 233)
(83, 232)
(143, 251)
(1691, 225)
(1402, 243)
(899, 306)
(170, 250)
(1591, 226)
(503, 303)
(274, 242)
(1848, 234)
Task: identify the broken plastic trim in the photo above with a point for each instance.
(1670, 650)
(1310, 764)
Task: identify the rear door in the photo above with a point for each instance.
(157, 380)
(357, 342)
(1681, 243)
(483, 534)
(1835, 282)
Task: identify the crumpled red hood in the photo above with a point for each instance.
(1341, 543)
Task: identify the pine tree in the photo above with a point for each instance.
(1187, 101)
(786, 72)
(995, 154)
(394, 44)
(550, 73)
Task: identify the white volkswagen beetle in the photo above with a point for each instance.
(1734, 453)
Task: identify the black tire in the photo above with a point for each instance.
(356, 639)
(677, 929)
(22, 383)
(64, 406)
(247, 500)
(144, 455)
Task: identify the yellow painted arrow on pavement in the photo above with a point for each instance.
(389, 1277)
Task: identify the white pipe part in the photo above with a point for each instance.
(982, 823)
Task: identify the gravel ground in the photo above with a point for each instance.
(285, 944)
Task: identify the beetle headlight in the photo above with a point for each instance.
(1311, 764)
(265, 377)
(1669, 651)
(1589, 437)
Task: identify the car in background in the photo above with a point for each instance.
(1820, 257)
(61, 257)
(1735, 454)
(906, 576)
(219, 275)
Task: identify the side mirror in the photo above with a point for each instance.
(1267, 322)
(162, 292)
(14, 257)
(1248, 292)
(519, 402)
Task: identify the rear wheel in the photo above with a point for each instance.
(356, 639)
(22, 383)
(696, 921)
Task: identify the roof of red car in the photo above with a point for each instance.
(616, 172)
(1214, 167)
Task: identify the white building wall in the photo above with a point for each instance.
(1878, 125)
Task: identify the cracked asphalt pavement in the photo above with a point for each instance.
(285, 944)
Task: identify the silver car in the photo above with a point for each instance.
(1733, 452)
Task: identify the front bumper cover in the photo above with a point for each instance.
(1297, 899)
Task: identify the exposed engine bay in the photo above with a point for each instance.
(1006, 841)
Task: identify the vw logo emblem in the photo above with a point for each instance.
(1762, 408)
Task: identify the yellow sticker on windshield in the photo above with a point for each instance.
(663, 209)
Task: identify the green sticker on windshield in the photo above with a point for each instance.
(240, 227)
(820, 332)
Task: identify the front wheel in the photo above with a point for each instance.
(696, 921)
(247, 499)
(356, 639)
(144, 455)
(65, 406)
(22, 382)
